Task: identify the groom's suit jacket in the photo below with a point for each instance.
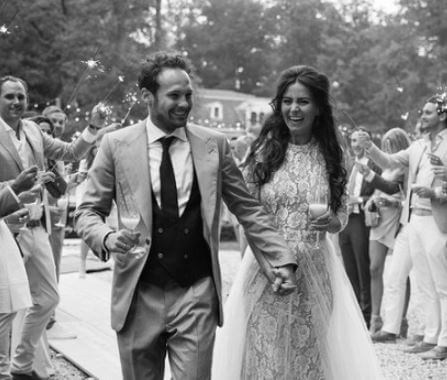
(123, 159)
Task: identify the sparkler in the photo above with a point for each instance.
(133, 99)
(120, 80)
(90, 64)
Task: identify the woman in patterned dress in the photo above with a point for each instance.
(316, 332)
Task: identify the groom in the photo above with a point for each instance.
(170, 299)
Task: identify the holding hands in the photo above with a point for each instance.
(285, 281)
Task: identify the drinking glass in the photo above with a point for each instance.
(62, 204)
(130, 217)
(318, 206)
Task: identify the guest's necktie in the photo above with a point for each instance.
(168, 189)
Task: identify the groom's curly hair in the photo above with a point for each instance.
(156, 63)
(275, 136)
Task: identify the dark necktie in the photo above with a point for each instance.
(168, 189)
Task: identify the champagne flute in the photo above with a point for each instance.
(62, 204)
(130, 218)
(318, 206)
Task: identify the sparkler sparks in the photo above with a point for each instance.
(4, 29)
(91, 63)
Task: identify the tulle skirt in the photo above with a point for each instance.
(344, 347)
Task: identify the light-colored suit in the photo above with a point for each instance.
(123, 159)
(34, 242)
(425, 238)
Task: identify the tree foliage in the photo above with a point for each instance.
(381, 66)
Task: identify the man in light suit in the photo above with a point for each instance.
(169, 299)
(354, 239)
(426, 211)
(22, 145)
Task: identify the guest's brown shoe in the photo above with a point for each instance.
(437, 353)
(419, 347)
(383, 337)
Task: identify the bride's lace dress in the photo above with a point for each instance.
(315, 333)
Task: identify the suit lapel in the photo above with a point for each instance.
(135, 161)
(8, 145)
(37, 153)
(205, 157)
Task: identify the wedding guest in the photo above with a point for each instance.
(317, 332)
(387, 200)
(427, 225)
(24, 146)
(354, 239)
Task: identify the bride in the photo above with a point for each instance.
(295, 168)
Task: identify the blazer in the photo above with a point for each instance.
(14, 287)
(43, 146)
(123, 158)
(411, 158)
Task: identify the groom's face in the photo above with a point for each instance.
(169, 108)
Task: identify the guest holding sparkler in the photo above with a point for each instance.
(24, 146)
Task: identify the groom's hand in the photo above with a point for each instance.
(121, 241)
(285, 280)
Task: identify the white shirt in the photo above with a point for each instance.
(181, 158)
(23, 148)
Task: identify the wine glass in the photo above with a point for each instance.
(318, 206)
(130, 218)
(62, 204)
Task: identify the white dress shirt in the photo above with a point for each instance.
(180, 152)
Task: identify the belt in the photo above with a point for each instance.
(33, 223)
(421, 211)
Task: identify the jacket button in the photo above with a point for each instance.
(160, 256)
(186, 231)
(185, 256)
(160, 230)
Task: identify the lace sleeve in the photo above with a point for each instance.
(342, 213)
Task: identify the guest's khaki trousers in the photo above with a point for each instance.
(174, 320)
(41, 273)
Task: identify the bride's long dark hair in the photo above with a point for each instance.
(268, 151)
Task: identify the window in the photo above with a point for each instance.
(216, 111)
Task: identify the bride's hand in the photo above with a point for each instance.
(326, 222)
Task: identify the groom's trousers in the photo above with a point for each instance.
(173, 320)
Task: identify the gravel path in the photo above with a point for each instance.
(396, 364)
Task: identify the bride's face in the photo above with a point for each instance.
(299, 110)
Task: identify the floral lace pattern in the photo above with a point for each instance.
(283, 338)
